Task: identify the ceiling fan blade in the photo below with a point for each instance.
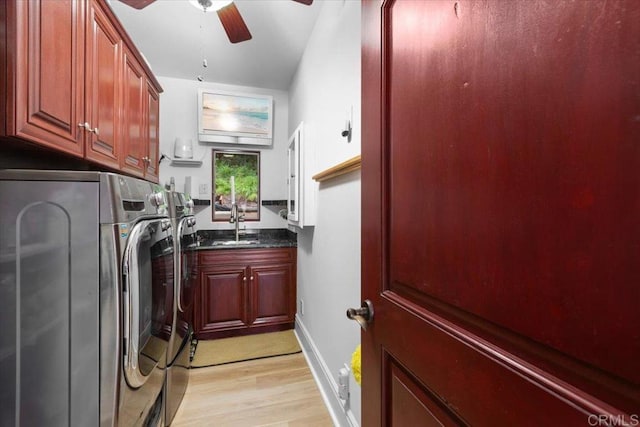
(234, 24)
(137, 4)
(307, 2)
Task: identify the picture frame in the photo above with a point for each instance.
(234, 117)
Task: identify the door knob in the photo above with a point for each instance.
(362, 315)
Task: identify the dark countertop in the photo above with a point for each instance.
(265, 238)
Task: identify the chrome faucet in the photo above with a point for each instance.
(235, 218)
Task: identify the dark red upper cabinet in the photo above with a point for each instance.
(45, 73)
(65, 84)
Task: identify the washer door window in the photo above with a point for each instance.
(148, 292)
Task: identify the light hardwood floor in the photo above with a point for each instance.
(277, 391)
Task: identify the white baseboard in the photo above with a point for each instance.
(325, 381)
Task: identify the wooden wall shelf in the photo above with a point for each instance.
(345, 167)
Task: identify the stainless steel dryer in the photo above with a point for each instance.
(86, 284)
(178, 362)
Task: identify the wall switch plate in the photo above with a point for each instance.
(203, 189)
(301, 310)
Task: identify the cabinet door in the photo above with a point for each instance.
(104, 52)
(134, 151)
(272, 293)
(46, 73)
(223, 301)
(153, 122)
(293, 178)
(301, 188)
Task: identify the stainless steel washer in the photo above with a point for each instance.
(86, 280)
(178, 362)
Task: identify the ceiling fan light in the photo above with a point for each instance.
(210, 5)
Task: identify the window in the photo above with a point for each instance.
(236, 174)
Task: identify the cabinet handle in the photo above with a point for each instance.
(244, 279)
(87, 127)
(251, 278)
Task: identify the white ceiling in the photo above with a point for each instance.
(172, 35)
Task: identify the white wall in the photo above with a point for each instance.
(178, 118)
(325, 87)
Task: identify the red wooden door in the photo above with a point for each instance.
(500, 213)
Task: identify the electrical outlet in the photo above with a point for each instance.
(203, 188)
(301, 309)
(343, 385)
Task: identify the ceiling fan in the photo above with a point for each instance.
(228, 13)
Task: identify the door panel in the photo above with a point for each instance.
(475, 379)
(412, 404)
(135, 93)
(49, 79)
(104, 52)
(273, 299)
(500, 205)
(535, 206)
(153, 138)
(223, 299)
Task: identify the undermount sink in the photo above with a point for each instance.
(235, 243)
